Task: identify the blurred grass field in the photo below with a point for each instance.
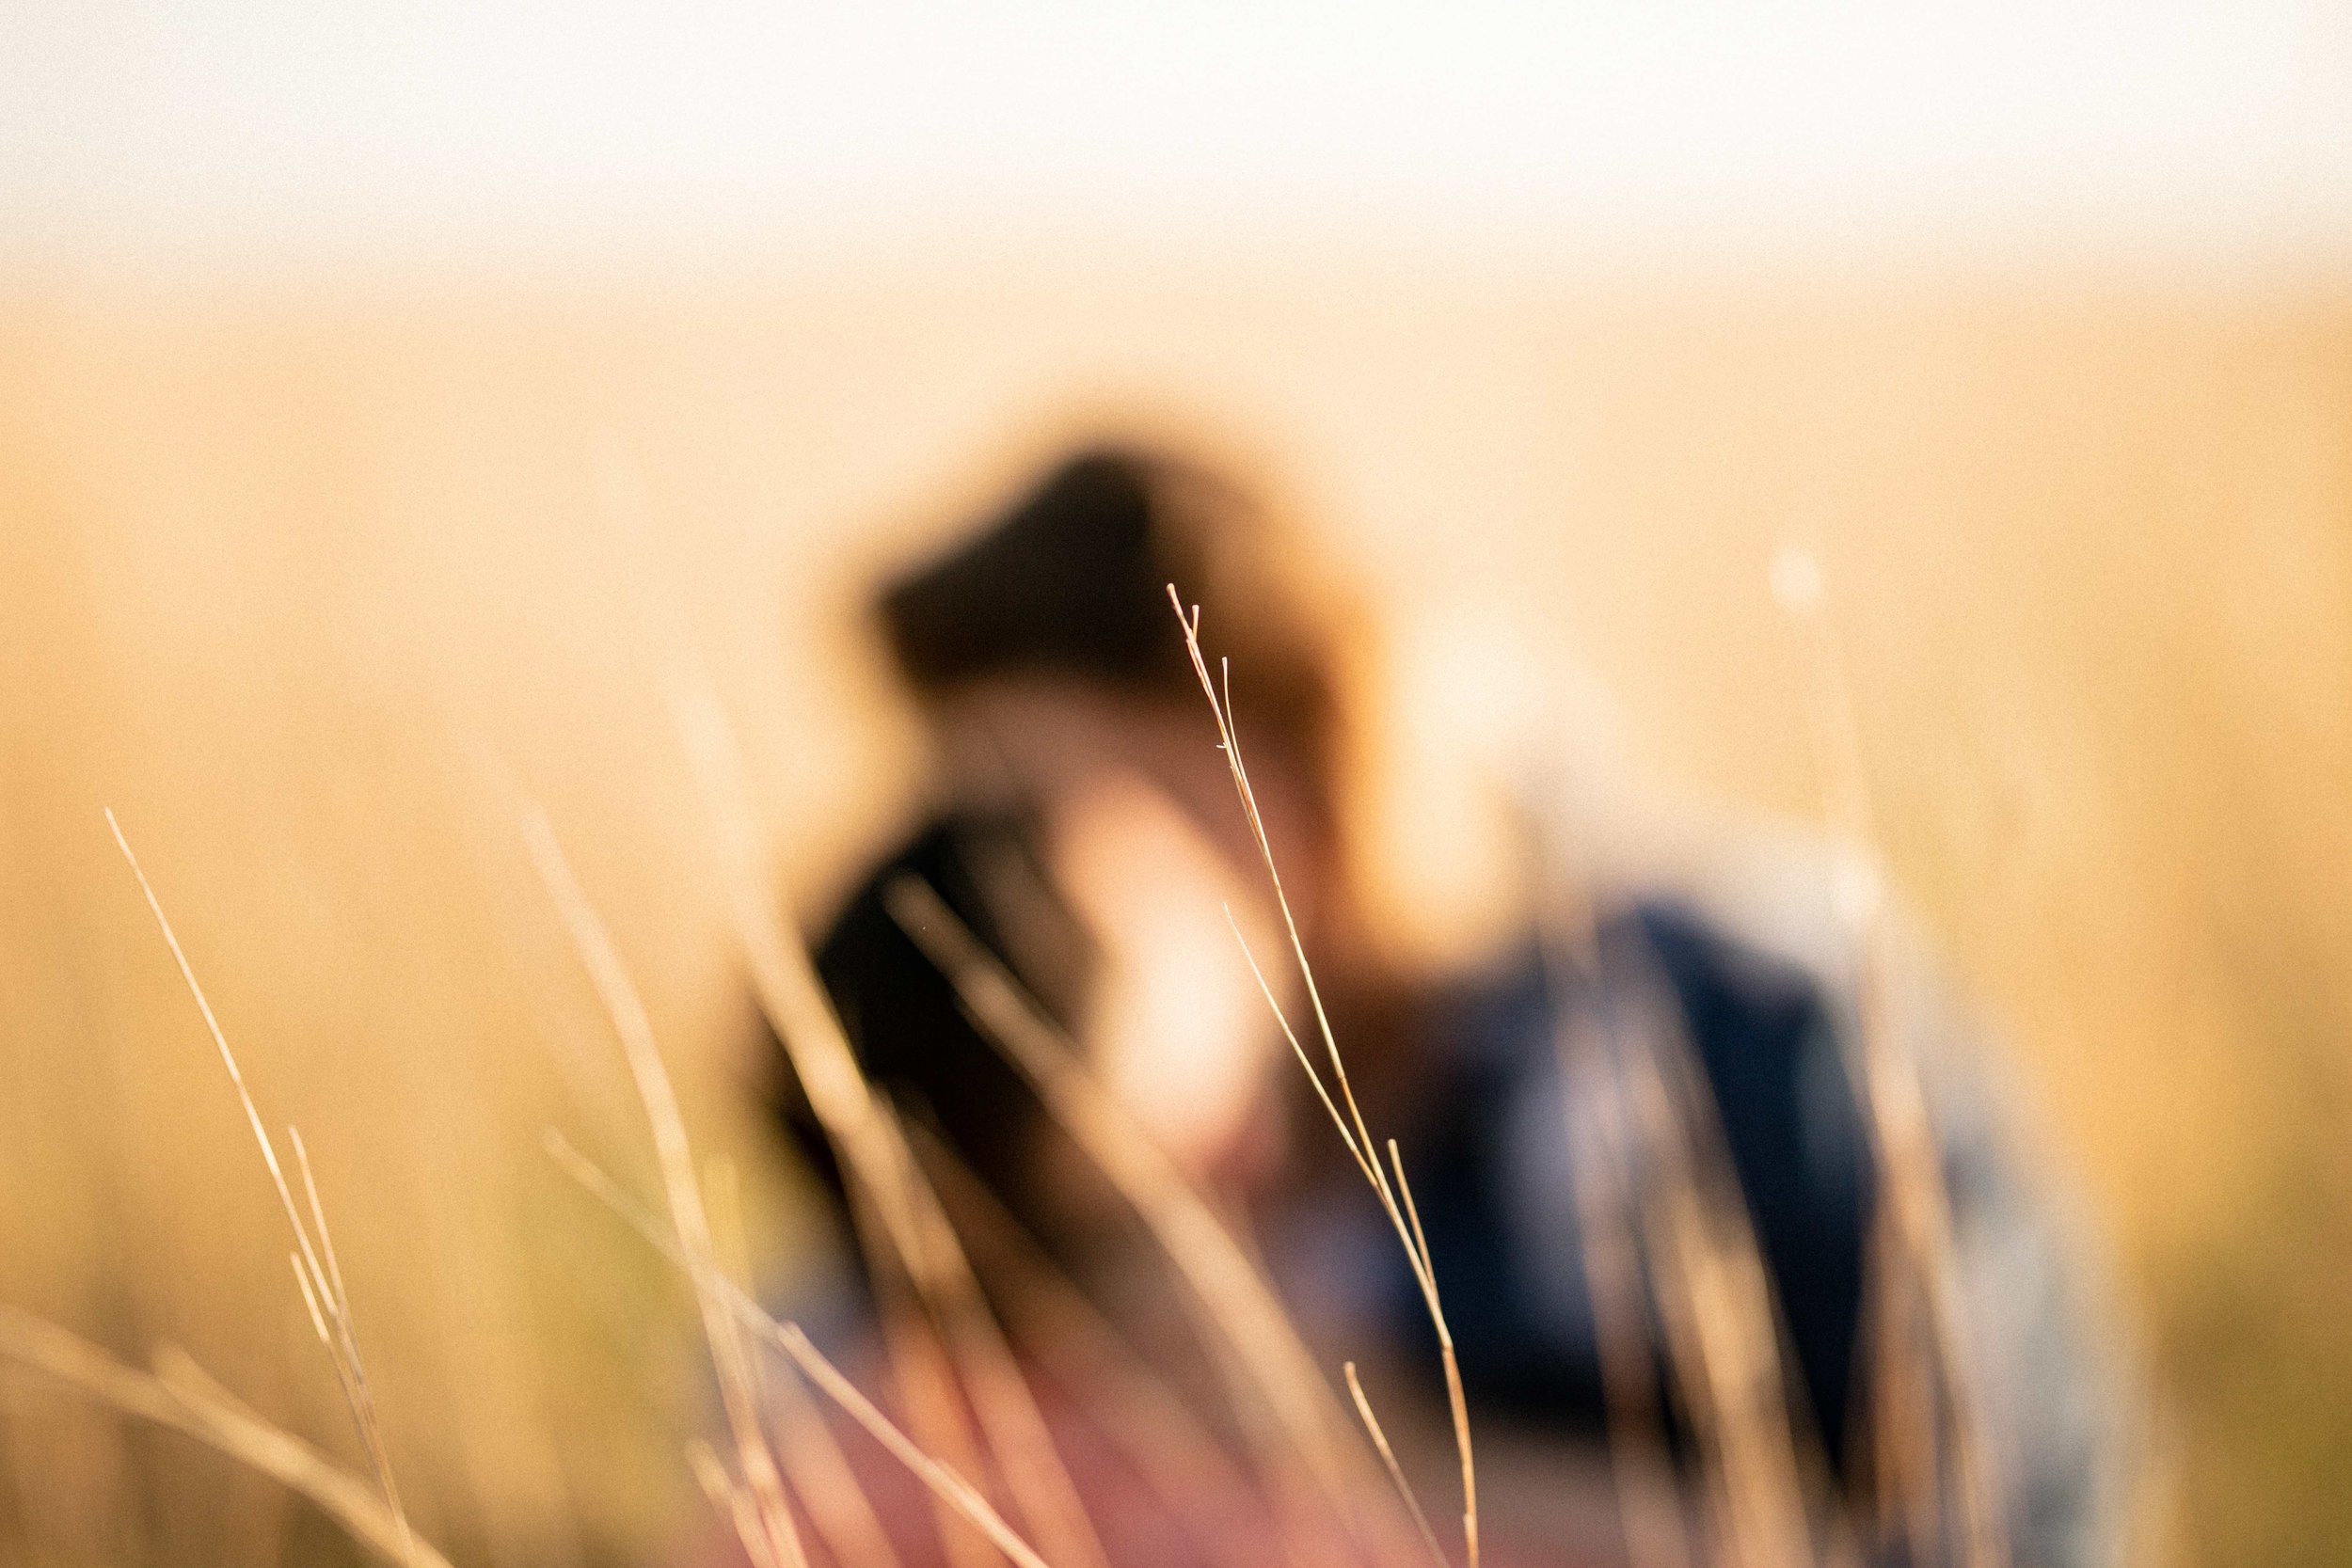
(282, 571)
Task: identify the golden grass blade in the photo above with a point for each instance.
(827, 1483)
(1457, 1404)
(187, 1407)
(1007, 1409)
(1220, 708)
(1917, 1207)
(943, 1479)
(186, 1380)
(1237, 1307)
(864, 1135)
(728, 1500)
(220, 1040)
(958, 1491)
(334, 1278)
(346, 1343)
(922, 1370)
(1649, 1509)
(1652, 1178)
(1347, 1136)
(1603, 1182)
(817, 1471)
(310, 1300)
(1396, 1471)
(1169, 1447)
(1230, 744)
(873, 1152)
(329, 1307)
(601, 1186)
(1720, 1317)
(777, 1543)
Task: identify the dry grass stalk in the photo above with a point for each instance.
(775, 1544)
(1352, 1128)
(1155, 1428)
(817, 1471)
(1721, 1320)
(1002, 1400)
(923, 1373)
(177, 1397)
(944, 1480)
(1649, 1505)
(1651, 1179)
(872, 1151)
(960, 1492)
(315, 1268)
(1904, 1488)
(1285, 1407)
(1601, 1184)
(728, 1498)
(1388, 1458)
(1923, 1433)
(864, 1135)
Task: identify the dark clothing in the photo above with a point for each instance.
(901, 1016)
(1493, 1156)
(1492, 1169)
(1489, 1163)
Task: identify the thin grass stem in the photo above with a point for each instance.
(1220, 695)
(1388, 1457)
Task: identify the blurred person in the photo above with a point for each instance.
(1084, 826)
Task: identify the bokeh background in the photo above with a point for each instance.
(383, 392)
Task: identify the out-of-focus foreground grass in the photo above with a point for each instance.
(292, 581)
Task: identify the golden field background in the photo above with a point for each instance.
(297, 579)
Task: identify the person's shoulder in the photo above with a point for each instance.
(1721, 954)
(1772, 900)
(1759, 899)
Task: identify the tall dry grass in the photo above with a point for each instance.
(1756, 1503)
(269, 563)
(918, 1241)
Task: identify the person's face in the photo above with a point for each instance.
(1148, 842)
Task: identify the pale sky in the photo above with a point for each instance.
(2203, 126)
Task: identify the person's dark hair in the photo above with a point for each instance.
(1071, 580)
(1068, 582)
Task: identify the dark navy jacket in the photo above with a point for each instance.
(1493, 1169)
(1492, 1161)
